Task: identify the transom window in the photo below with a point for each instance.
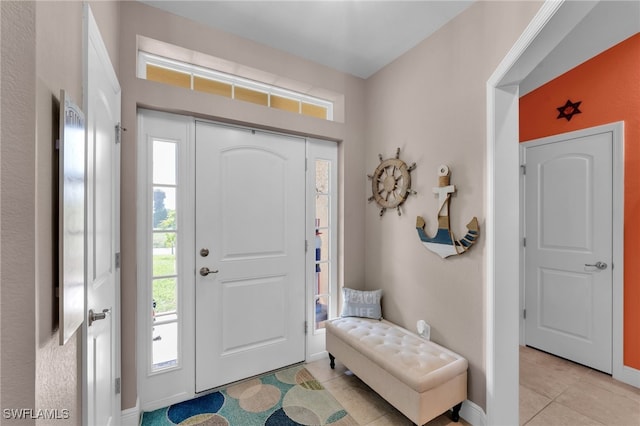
(176, 73)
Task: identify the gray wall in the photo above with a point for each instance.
(431, 102)
(17, 207)
(41, 54)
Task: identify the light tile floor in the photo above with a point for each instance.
(553, 392)
(363, 404)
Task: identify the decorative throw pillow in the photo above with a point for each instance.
(364, 304)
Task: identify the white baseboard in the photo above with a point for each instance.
(473, 414)
(170, 400)
(318, 356)
(131, 416)
(627, 375)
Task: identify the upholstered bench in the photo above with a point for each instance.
(420, 378)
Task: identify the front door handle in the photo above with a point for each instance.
(599, 265)
(204, 271)
(96, 316)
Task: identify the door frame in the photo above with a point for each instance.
(617, 228)
(183, 378)
(502, 267)
(320, 149)
(152, 386)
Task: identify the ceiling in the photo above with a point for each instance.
(607, 24)
(356, 37)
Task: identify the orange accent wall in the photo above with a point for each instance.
(609, 87)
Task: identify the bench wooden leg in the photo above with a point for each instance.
(455, 412)
(332, 361)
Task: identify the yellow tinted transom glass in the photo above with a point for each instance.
(189, 76)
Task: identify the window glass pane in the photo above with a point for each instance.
(322, 245)
(322, 278)
(165, 346)
(322, 307)
(319, 243)
(322, 211)
(322, 176)
(314, 110)
(164, 258)
(214, 87)
(164, 296)
(324, 248)
(164, 208)
(164, 163)
(189, 76)
(250, 95)
(167, 76)
(285, 103)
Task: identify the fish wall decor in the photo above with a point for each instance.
(444, 243)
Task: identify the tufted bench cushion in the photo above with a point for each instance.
(421, 378)
(419, 363)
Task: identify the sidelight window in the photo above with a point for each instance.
(164, 257)
(164, 276)
(322, 255)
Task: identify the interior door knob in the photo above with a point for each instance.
(204, 271)
(599, 265)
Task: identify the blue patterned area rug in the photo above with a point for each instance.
(288, 397)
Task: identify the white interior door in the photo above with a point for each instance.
(568, 254)
(250, 234)
(102, 108)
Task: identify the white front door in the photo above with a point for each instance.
(250, 236)
(568, 254)
(102, 109)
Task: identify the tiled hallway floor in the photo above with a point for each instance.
(553, 392)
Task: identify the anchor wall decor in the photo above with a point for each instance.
(444, 243)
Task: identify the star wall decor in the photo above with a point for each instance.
(569, 109)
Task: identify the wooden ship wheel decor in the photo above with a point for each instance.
(391, 183)
(444, 243)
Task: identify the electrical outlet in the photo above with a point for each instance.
(424, 329)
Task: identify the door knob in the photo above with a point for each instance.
(96, 316)
(599, 265)
(204, 271)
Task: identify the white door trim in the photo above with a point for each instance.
(502, 192)
(320, 149)
(182, 380)
(617, 130)
(170, 386)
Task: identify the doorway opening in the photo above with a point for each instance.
(571, 224)
(554, 21)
